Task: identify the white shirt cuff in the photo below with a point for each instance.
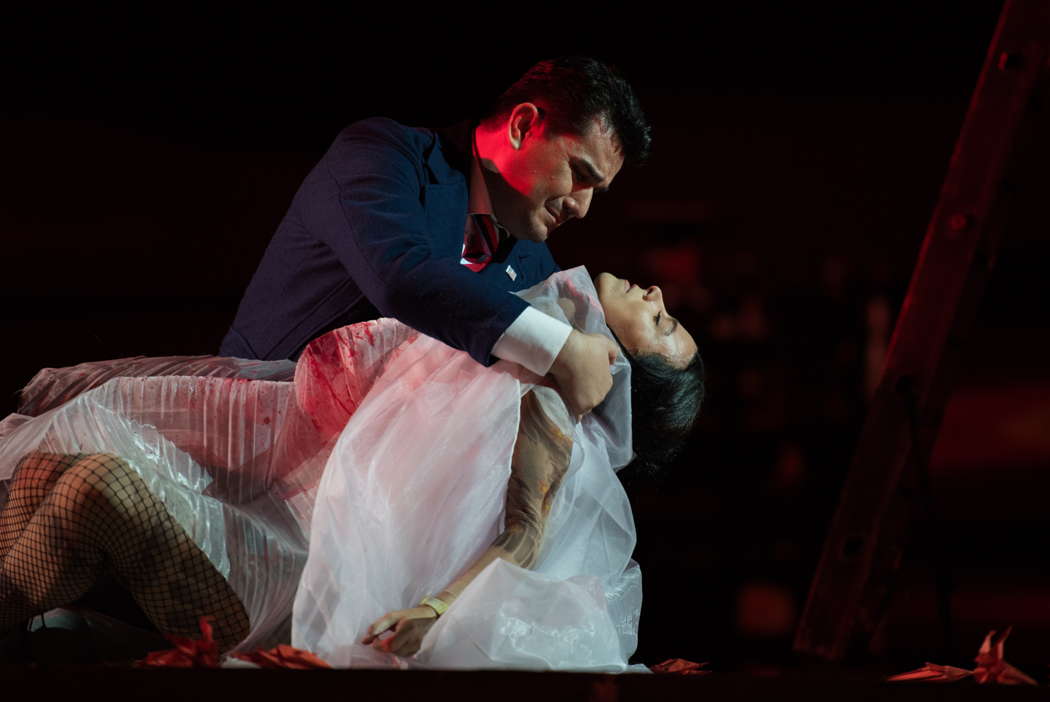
(533, 340)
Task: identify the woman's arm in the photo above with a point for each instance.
(541, 458)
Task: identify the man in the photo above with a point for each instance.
(437, 228)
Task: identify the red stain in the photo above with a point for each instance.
(322, 379)
(367, 329)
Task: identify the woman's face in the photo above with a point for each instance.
(638, 318)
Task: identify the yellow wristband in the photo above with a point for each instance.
(439, 606)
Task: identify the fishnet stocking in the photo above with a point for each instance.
(71, 519)
(34, 477)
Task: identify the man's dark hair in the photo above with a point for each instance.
(573, 91)
(665, 402)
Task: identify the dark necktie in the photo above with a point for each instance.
(480, 242)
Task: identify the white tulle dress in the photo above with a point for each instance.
(374, 478)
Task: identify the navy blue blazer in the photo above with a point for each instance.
(376, 230)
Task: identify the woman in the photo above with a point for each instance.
(248, 519)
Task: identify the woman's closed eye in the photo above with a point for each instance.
(670, 329)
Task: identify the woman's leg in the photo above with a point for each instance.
(33, 479)
(100, 517)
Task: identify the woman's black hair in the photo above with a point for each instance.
(665, 402)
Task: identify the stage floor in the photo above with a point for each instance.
(26, 682)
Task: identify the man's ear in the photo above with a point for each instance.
(524, 120)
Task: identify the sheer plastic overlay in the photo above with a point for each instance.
(223, 443)
(228, 458)
(52, 387)
(414, 491)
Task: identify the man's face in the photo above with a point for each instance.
(549, 178)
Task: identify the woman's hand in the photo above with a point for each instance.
(409, 626)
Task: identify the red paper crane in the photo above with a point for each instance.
(991, 667)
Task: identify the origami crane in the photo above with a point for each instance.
(680, 666)
(991, 667)
(204, 653)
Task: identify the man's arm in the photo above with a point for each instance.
(577, 363)
(404, 256)
(541, 459)
(399, 237)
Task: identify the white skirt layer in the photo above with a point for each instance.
(414, 491)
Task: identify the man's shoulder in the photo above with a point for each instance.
(388, 131)
(437, 157)
(387, 126)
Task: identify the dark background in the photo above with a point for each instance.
(798, 153)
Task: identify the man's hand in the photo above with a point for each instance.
(581, 371)
(409, 626)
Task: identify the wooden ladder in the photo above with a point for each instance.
(886, 484)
